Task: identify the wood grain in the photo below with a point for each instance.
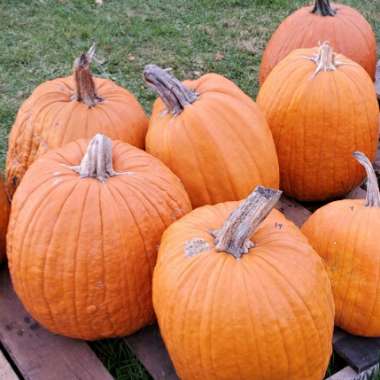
(6, 371)
(37, 353)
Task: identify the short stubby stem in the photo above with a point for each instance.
(234, 236)
(373, 193)
(323, 8)
(173, 93)
(97, 161)
(84, 82)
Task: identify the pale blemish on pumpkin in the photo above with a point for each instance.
(195, 246)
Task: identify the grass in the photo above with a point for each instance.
(39, 40)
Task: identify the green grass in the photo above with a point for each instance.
(39, 40)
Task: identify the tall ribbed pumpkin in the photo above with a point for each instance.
(344, 27)
(84, 233)
(345, 233)
(211, 135)
(242, 295)
(67, 109)
(4, 216)
(320, 107)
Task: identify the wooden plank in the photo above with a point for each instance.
(6, 371)
(149, 348)
(346, 373)
(37, 353)
(338, 334)
(359, 352)
(293, 210)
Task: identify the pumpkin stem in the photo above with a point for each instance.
(97, 161)
(173, 93)
(233, 236)
(84, 82)
(373, 193)
(325, 59)
(323, 8)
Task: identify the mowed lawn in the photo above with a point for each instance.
(39, 40)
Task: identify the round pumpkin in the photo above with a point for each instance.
(242, 295)
(345, 233)
(83, 237)
(67, 109)
(344, 27)
(211, 135)
(4, 215)
(320, 107)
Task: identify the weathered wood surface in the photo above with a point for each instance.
(6, 371)
(38, 354)
(346, 373)
(148, 346)
(360, 353)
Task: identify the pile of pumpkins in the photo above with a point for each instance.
(102, 239)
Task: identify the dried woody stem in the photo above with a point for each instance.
(233, 236)
(373, 193)
(323, 8)
(325, 59)
(173, 93)
(84, 82)
(97, 161)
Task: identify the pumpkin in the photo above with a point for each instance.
(345, 233)
(66, 109)
(211, 135)
(4, 215)
(83, 236)
(320, 107)
(240, 294)
(344, 27)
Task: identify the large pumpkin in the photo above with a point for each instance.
(211, 135)
(66, 109)
(4, 215)
(346, 235)
(83, 237)
(320, 107)
(347, 30)
(233, 308)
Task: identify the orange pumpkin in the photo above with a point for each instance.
(344, 27)
(320, 107)
(233, 308)
(211, 135)
(345, 233)
(4, 215)
(66, 109)
(83, 240)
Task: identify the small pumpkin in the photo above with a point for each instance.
(344, 27)
(248, 300)
(83, 236)
(66, 109)
(211, 135)
(4, 215)
(345, 234)
(320, 107)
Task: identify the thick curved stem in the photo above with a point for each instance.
(373, 193)
(84, 82)
(234, 235)
(323, 8)
(173, 93)
(97, 161)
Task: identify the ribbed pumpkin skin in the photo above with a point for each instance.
(4, 216)
(348, 32)
(49, 118)
(267, 316)
(318, 122)
(220, 146)
(345, 234)
(82, 252)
